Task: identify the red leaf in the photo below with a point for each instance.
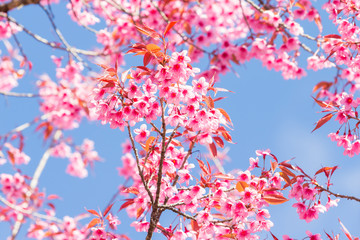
(147, 58)
(274, 165)
(275, 238)
(93, 222)
(325, 169)
(333, 36)
(322, 85)
(148, 31)
(203, 167)
(213, 149)
(322, 104)
(347, 233)
(127, 203)
(323, 120)
(274, 199)
(53, 196)
(169, 27)
(219, 141)
(108, 209)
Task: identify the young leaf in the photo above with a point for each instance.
(93, 222)
(219, 141)
(169, 27)
(153, 48)
(274, 199)
(224, 113)
(108, 209)
(241, 185)
(126, 204)
(93, 212)
(213, 149)
(323, 120)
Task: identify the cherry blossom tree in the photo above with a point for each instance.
(155, 75)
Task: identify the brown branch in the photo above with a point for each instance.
(138, 163)
(338, 195)
(6, 7)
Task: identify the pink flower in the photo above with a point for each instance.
(142, 133)
(200, 86)
(313, 237)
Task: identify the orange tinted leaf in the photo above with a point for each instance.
(241, 185)
(286, 178)
(322, 104)
(229, 235)
(168, 27)
(187, 28)
(225, 114)
(324, 169)
(226, 136)
(274, 199)
(274, 165)
(133, 190)
(93, 212)
(322, 85)
(93, 222)
(153, 48)
(139, 212)
(11, 157)
(323, 120)
(149, 141)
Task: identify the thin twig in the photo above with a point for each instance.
(51, 44)
(28, 212)
(338, 195)
(61, 37)
(13, 94)
(34, 183)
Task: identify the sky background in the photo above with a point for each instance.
(267, 112)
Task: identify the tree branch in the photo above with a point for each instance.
(6, 7)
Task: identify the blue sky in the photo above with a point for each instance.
(267, 112)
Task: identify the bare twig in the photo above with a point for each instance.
(13, 94)
(61, 37)
(28, 212)
(34, 183)
(51, 44)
